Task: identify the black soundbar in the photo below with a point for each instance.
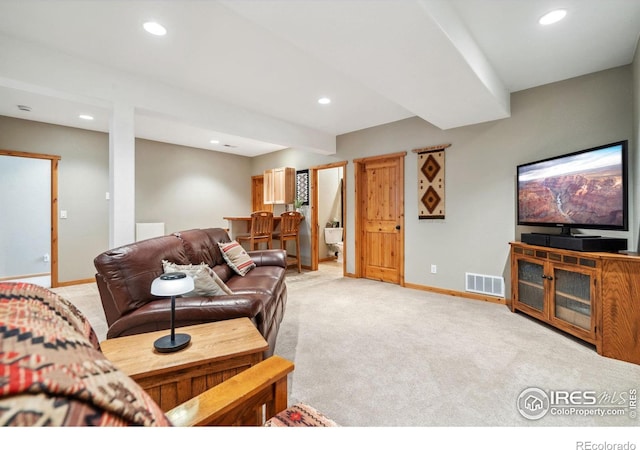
(579, 243)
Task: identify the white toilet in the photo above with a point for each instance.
(333, 238)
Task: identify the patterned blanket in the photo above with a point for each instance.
(52, 372)
(300, 415)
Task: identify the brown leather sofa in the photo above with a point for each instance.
(124, 277)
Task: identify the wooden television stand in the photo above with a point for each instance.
(594, 296)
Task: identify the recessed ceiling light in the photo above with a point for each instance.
(324, 100)
(85, 117)
(213, 141)
(552, 17)
(155, 28)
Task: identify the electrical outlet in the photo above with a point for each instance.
(434, 268)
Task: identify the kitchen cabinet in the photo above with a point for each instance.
(279, 186)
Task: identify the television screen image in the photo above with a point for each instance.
(585, 189)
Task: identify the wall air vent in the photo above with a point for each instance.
(484, 284)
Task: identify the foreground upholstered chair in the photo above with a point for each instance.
(52, 373)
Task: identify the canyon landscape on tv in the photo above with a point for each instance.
(585, 188)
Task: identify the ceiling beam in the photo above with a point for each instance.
(416, 53)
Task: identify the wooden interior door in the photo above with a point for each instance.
(257, 194)
(380, 216)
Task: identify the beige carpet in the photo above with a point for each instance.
(374, 354)
(87, 299)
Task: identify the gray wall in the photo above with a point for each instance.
(480, 171)
(82, 182)
(188, 188)
(180, 186)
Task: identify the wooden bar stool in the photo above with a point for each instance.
(290, 231)
(261, 230)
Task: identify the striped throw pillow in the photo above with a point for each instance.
(236, 257)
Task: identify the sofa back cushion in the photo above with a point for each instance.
(201, 245)
(129, 270)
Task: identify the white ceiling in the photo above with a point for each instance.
(265, 63)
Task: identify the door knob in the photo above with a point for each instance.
(397, 227)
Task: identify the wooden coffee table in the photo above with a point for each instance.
(217, 351)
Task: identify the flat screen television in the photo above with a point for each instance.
(584, 189)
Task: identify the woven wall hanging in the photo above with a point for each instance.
(431, 181)
(302, 186)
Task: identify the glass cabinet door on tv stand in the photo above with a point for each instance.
(572, 299)
(557, 288)
(531, 287)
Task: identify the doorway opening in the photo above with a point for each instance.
(328, 217)
(50, 278)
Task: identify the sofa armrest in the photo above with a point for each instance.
(231, 401)
(270, 257)
(155, 315)
(108, 302)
